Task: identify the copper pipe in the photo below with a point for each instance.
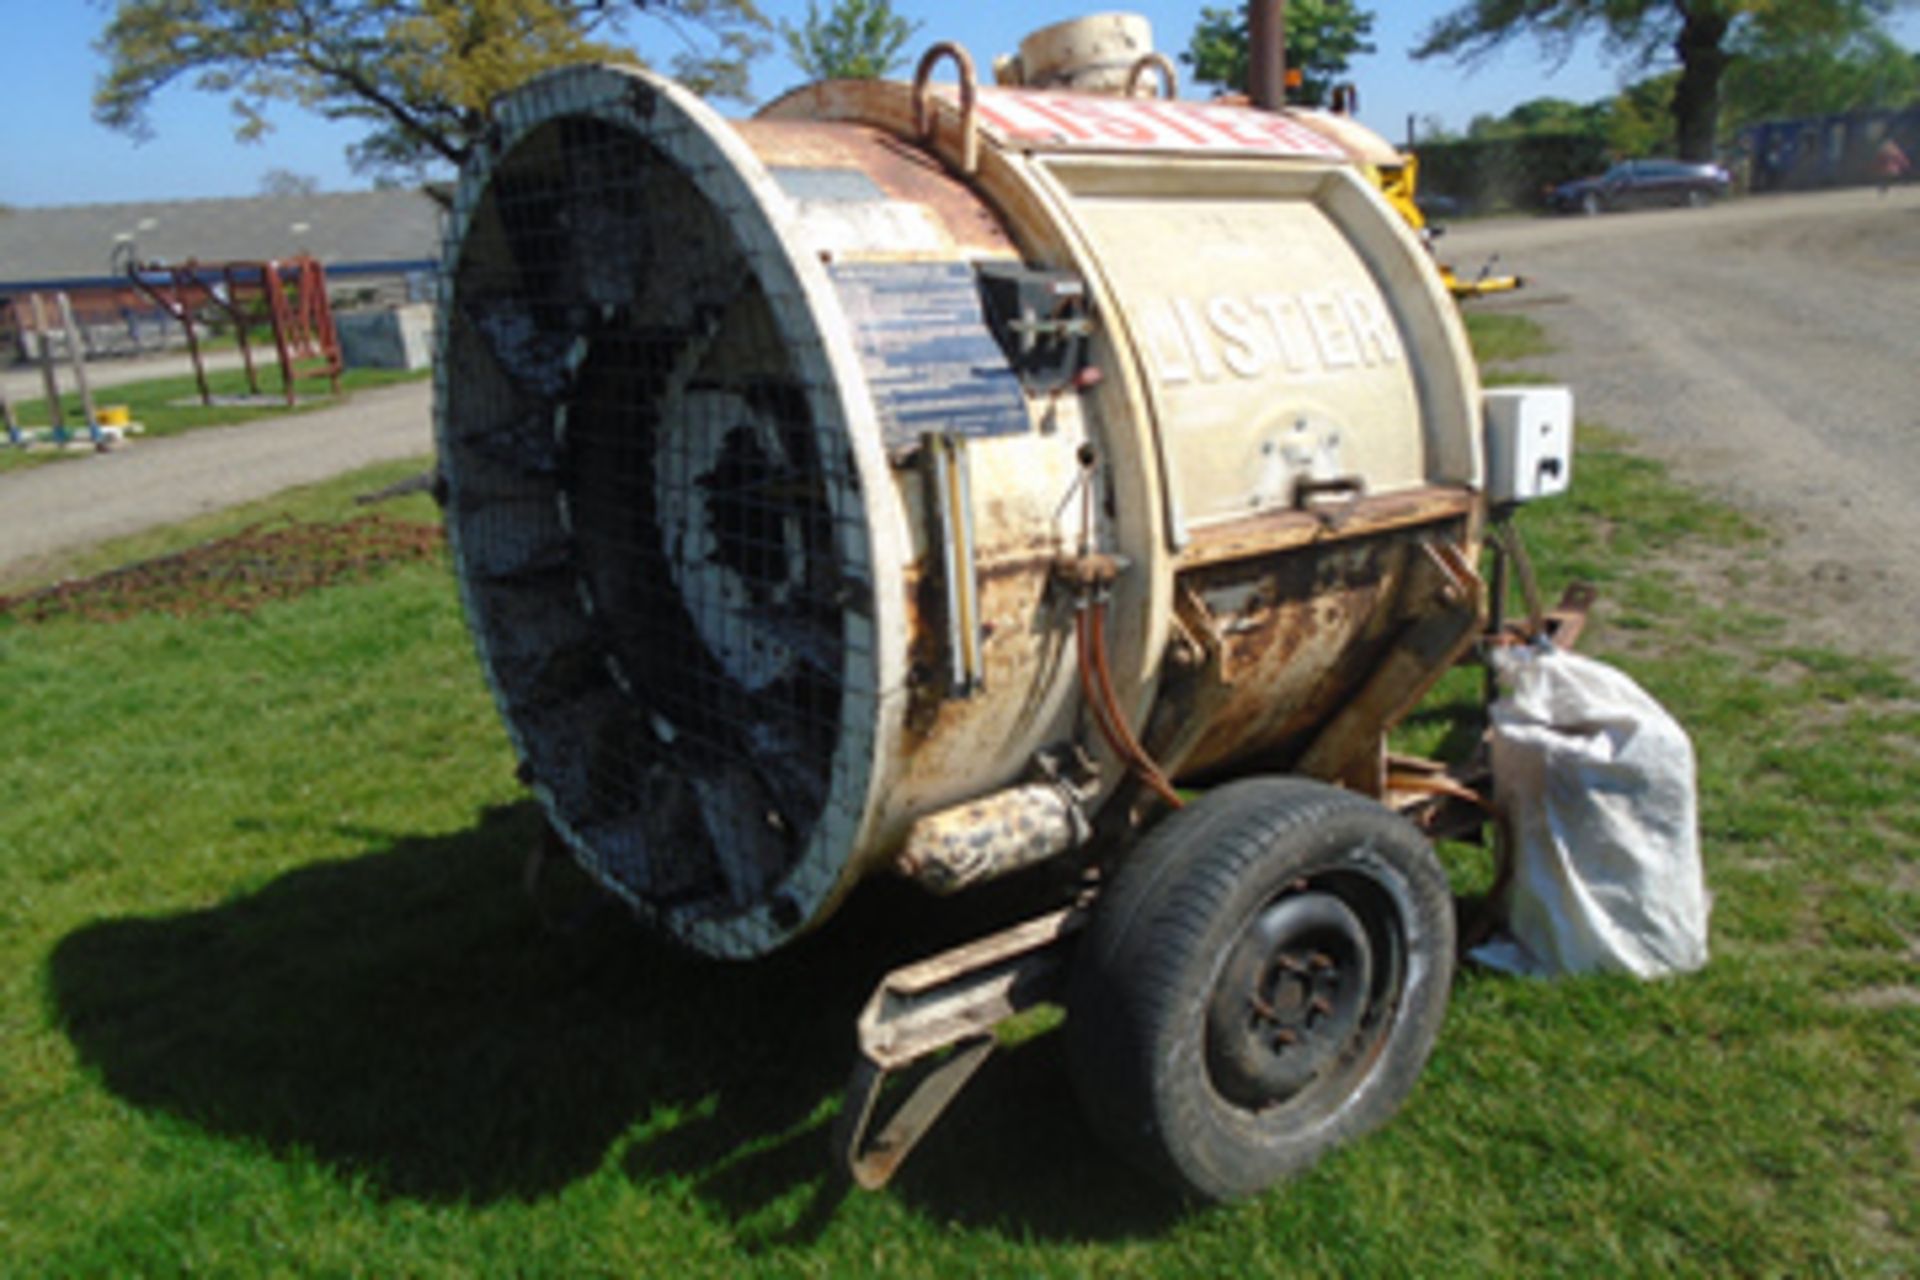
(1089, 690)
(1106, 714)
(1144, 764)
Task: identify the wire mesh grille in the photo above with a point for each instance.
(649, 520)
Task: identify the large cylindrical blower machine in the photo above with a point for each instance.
(943, 479)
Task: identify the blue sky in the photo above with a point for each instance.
(51, 152)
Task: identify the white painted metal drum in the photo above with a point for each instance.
(763, 441)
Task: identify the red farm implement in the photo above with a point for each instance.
(288, 295)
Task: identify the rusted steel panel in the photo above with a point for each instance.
(835, 169)
(1447, 605)
(1026, 635)
(1293, 631)
(1285, 640)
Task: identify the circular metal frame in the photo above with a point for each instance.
(729, 178)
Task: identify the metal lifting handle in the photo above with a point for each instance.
(1169, 77)
(969, 102)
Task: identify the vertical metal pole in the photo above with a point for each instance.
(47, 375)
(239, 314)
(1496, 606)
(1267, 53)
(326, 334)
(79, 360)
(14, 437)
(282, 318)
(184, 279)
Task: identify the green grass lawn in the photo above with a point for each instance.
(272, 1002)
(1499, 336)
(169, 406)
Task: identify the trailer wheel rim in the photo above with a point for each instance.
(1290, 1005)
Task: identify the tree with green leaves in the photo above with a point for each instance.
(855, 40)
(1322, 38)
(418, 73)
(1639, 119)
(286, 182)
(1778, 75)
(1703, 36)
(1540, 115)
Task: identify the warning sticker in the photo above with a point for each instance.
(1086, 121)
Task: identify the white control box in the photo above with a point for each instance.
(1529, 443)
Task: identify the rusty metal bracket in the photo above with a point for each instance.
(873, 1161)
(1459, 582)
(1198, 645)
(1447, 802)
(952, 1001)
(1086, 575)
(1561, 625)
(1566, 620)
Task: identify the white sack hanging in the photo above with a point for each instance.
(1596, 781)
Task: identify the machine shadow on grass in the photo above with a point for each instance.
(401, 1016)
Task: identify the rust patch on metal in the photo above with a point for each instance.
(1018, 564)
(899, 169)
(1285, 530)
(926, 653)
(237, 574)
(1015, 607)
(1292, 634)
(1445, 603)
(1447, 802)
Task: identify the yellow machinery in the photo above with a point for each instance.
(1397, 174)
(1399, 183)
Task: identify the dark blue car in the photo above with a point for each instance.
(1634, 184)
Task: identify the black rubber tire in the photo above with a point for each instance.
(1151, 971)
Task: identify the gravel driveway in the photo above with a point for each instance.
(44, 510)
(1769, 349)
(24, 381)
(1766, 348)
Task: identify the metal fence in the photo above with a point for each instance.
(1824, 151)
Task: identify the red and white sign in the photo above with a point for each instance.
(1097, 122)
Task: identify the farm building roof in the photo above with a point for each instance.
(72, 245)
